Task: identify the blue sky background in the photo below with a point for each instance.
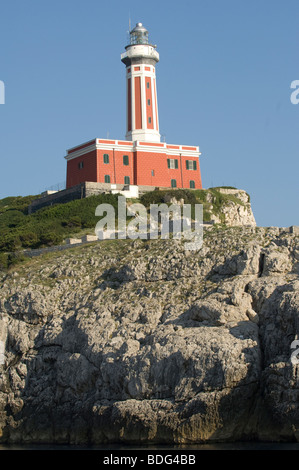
(223, 83)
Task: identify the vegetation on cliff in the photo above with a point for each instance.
(49, 226)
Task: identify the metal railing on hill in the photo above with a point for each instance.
(56, 187)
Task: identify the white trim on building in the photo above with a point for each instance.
(130, 146)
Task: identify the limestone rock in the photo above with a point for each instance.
(237, 214)
(276, 261)
(145, 343)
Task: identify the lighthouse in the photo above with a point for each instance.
(140, 162)
(140, 60)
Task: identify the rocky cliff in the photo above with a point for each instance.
(142, 341)
(235, 209)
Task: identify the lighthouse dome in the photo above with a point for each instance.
(139, 34)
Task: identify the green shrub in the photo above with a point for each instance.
(49, 225)
(29, 239)
(206, 215)
(3, 261)
(19, 203)
(159, 197)
(14, 243)
(73, 222)
(15, 258)
(50, 239)
(223, 187)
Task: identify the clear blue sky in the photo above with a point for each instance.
(223, 83)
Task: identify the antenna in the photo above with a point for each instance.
(128, 32)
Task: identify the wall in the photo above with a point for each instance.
(115, 168)
(87, 173)
(66, 195)
(147, 162)
(78, 192)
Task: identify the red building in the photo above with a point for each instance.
(141, 159)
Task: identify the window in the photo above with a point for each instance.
(192, 184)
(127, 180)
(126, 159)
(173, 183)
(153, 172)
(191, 165)
(80, 165)
(149, 102)
(172, 163)
(106, 158)
(107, 179)
(147, 84)
(149, 120)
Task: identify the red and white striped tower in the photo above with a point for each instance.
(140, 59)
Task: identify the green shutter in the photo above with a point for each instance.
(107, 179)
(187, 164)
(126, 159)
(176, 164)
(192, 184)
(106, 158)
(127, 180)
(194, 165)
(173, 183)
(168, 162)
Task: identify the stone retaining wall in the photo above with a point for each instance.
(81, 191)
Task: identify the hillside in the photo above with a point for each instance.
(46, 227)
(52, 225)
(143, 342)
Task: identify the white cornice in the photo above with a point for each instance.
(80, 152)
(132, 146)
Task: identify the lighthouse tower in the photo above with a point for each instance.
(140, 162)
(140, 59)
